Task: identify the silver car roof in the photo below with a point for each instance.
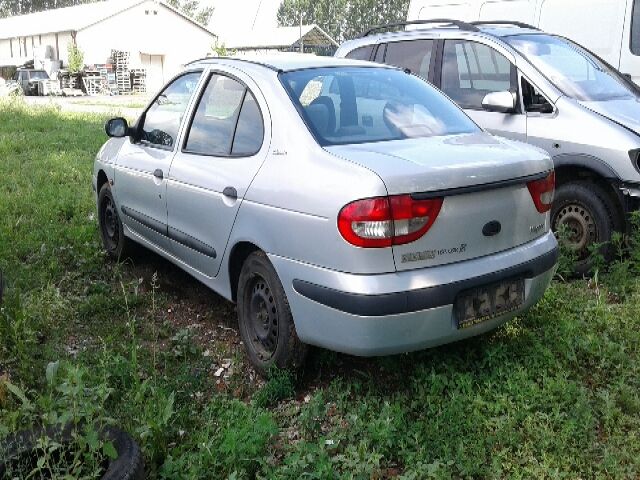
(441, 32)
(285, 61)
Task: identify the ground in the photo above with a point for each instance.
(553, 394)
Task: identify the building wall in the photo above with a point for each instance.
(16, 51)
(156, 38)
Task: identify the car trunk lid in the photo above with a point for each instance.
(487, 205)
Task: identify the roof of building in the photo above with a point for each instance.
(283, 37)
(287, 61)
(72, 19)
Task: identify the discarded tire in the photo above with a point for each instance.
(129, 464)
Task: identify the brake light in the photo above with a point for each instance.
(542, 191)
(385, 221)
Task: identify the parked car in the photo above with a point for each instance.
(524, 84)
(339, 203)
(609, 28)
(28, 79)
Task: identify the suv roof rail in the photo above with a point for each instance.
(467, 27)
(505, 23)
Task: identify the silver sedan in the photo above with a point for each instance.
(339, 203)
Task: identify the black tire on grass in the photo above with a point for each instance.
(129, 464)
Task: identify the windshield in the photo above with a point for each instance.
(39, 75)
(345, 105)
(576, 72)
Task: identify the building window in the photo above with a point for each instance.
(11, 46)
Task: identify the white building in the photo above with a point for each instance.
(158, 37)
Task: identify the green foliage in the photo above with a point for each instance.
(342, 19)
(281, 385)
(12, 7)
(192, 9)
(76, 58)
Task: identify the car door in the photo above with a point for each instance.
(140, 178)
(470, 71)
(223, 149)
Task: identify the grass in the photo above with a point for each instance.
(554, 394)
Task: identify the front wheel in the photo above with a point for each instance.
(586, 215)
(115, 243)
(264, 318)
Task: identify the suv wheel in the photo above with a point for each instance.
(587, 214)
(116, 244)
(264, 318)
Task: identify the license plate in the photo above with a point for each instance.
(484, 303)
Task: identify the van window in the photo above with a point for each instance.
(635, 28)
(413, 54)
(361, 53)
(471, 70)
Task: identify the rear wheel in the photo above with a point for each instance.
(115, 243)
(264, 318)
(587, 215)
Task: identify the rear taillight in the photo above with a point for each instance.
(386, 221)
(542, 192)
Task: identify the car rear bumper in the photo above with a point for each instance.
(390, 313)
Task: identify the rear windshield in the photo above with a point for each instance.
(346, 105)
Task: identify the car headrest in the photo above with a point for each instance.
(318, 115)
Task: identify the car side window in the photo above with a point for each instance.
(161, 122)
(471, 70)
(360, 53)
(227, 120)
(414, 55)
(635, 28)
(534, 101)
(379, 58)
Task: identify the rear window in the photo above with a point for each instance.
(347, 105)
(361, 53)
(39, 75)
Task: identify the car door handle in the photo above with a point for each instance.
(158, 174)
(230, 192)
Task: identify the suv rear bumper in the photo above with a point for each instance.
(371, 315)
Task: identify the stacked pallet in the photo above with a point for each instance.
(123, 76)
(139, 80)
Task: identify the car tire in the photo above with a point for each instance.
(590, 217)
(264, 318)
(128, 465)
(116, 244)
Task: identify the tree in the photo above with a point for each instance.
(76, 58)
(192, 9)
(342, 19)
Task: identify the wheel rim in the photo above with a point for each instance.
(580, 226)
(262, 318)
(110, 224)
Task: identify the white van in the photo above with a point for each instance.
(608, 28)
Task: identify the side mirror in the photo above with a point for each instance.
(501, 102)
(117, 127)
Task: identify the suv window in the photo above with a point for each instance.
(635, 28)
(162, 120)
(534, 101)
(361, 53)
(471, 70)
(227, 121)
(413, 54)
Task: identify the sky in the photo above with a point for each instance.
(232, 18)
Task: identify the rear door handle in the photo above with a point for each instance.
(158, 174)
(230, 192)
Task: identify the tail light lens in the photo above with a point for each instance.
(386, 221)
(542, 191)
